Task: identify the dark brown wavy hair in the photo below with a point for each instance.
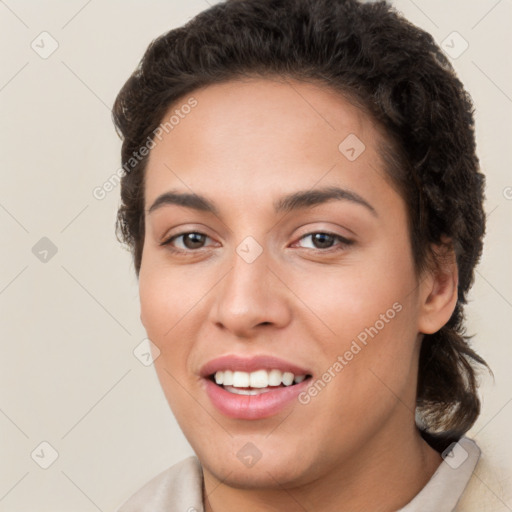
(394, 72)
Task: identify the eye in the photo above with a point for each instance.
(189, 241)
(322, 240)
(193, 240)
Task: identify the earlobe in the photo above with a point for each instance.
(439, 291)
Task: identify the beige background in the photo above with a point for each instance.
(68, 374)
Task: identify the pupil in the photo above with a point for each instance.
(322, 237)
(194, 238)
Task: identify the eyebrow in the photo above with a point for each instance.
(301, 199)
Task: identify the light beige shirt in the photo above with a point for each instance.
(454, 487)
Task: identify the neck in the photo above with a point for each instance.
(383, 476)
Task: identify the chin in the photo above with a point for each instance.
(274, 470)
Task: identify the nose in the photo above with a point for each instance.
(251, 297)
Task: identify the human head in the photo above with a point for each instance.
(392, 71)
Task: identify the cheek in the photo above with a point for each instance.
(349, 298)
(167, 300)
(368, 351)
(365, 322)
(173, 302)
(167, 294)
(155, 304)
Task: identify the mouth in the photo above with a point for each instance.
(252, 388)
(257, 382)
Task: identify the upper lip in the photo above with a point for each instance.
(250, 364)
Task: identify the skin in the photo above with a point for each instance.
(355, 445)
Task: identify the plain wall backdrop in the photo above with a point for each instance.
(69, 377)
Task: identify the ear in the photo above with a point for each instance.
(438, 289)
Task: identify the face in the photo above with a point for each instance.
(318, 291)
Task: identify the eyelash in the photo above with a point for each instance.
(344, 242)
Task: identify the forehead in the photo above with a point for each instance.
(251, 134)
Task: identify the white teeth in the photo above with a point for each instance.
(287, 378)
(227, 378)
(275, 377)
(259, 379)
(241, 379)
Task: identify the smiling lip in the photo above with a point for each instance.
(251, 407)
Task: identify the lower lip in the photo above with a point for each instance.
(253, 407)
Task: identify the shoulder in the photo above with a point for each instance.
(178, 488)
(488, 489)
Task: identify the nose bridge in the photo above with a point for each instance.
(248, 296)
